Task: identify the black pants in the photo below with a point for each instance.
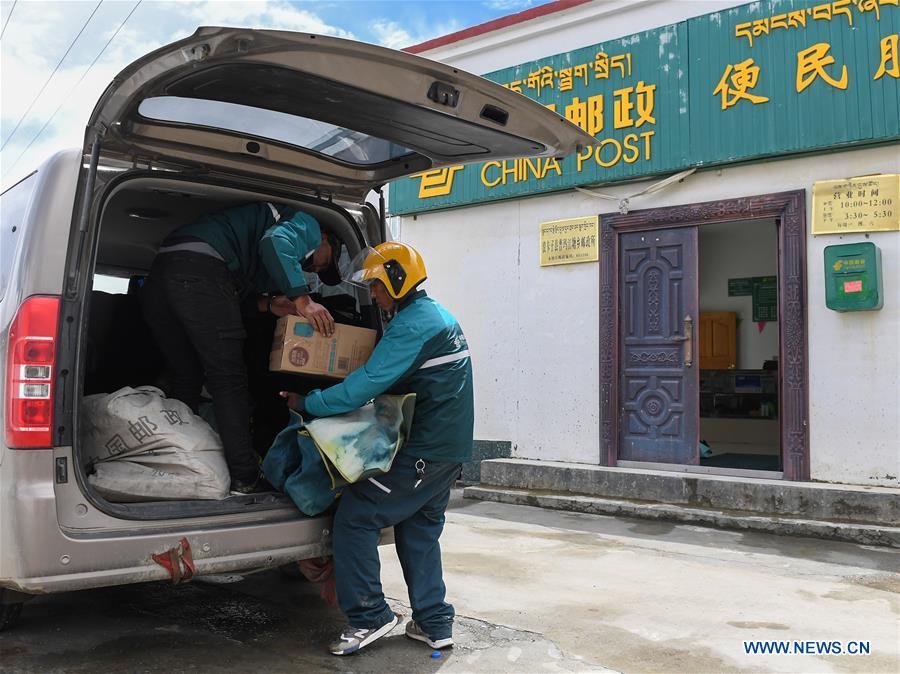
(193, 308)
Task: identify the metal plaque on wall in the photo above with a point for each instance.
(570, 241)
(866, 204)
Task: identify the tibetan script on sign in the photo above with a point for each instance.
(866, 204)
(569, 241)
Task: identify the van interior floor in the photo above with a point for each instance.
(166, 510)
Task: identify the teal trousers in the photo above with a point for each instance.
(417, 515)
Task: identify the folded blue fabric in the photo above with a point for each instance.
(293, 465)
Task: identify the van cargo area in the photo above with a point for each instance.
(210, 121)
(116, 349)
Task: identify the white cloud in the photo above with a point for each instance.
(274, 15)
(510, 5)
(39, 34)
(36, 38)
(392, 34)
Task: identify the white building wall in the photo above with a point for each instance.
(533, 331)
(580, 26)
(854, 376)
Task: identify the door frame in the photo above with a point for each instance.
(789, 211)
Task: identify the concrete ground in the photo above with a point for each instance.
(535, 591)
(638, 596)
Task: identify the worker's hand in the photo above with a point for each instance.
(282, 306)
(316, 314)
(294, 400)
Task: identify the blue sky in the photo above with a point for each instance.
(42, 111)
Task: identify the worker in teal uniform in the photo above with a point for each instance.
(423, 351)
(206, 279)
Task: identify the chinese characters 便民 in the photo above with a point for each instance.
(739, 79)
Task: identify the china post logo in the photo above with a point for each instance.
(437, 183)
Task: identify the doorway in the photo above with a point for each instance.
(737, 345)
(657, 323)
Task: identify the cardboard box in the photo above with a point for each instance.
(298, 349)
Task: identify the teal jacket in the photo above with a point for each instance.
(423, 351)
(263, 244)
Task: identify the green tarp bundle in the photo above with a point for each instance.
(310, 461)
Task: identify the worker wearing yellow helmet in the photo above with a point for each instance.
(423, 351)
(398, 266)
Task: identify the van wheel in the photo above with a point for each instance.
(9, 615)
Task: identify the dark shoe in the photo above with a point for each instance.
(247, 487)
(413, 631)
(353, 639)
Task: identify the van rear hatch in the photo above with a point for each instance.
(331, 115)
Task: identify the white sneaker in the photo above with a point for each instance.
(353, 639)
(413, 631)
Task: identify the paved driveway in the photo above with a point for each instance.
(536, 591)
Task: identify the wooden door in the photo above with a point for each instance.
(658, 392)
(717, 340)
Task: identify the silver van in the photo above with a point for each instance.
(223, 117)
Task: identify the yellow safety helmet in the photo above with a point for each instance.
(397, 265)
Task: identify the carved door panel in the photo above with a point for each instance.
(658, 376)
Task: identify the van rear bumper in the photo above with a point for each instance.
(144, 572)
(203, 567)
(39, 556)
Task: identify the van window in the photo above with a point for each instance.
(114, 285)
(13, 206)
(353, 147)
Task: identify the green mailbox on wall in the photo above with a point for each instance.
(853, 277)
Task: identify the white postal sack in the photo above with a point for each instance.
(146, 447)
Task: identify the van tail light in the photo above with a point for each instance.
(30, 368)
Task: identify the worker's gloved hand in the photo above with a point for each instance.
(316, 314)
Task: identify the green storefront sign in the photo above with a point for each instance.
(760, 80)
